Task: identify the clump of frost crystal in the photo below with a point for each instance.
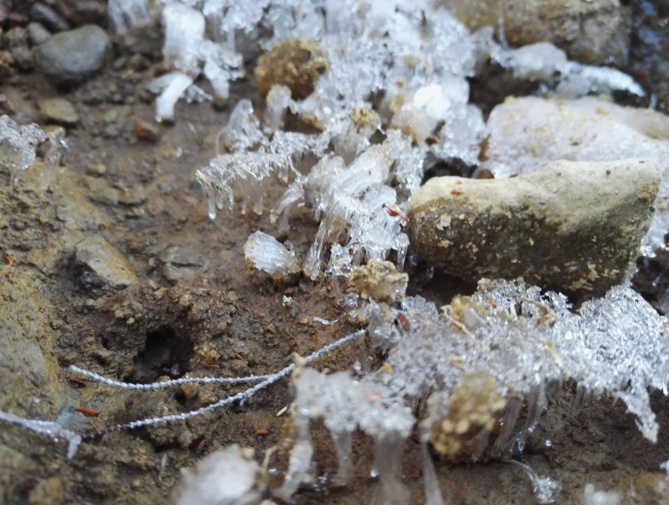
(188, 54)
(264, 252)
(18, 145)
(225, 477)
(370, 153)
(545, 62)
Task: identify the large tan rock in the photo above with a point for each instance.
(572, 227)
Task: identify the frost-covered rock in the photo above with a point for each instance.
(526, 133)
(574, 227)
(225, 477)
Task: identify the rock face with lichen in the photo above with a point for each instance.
(296, 63)
(573, 227)
(593, 32)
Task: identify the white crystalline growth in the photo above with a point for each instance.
(124, 14)
(225, 477)
(545, 62)
(252, 159)
(47, 428)
(18, 145)
(616, 345)
(264, 252)
(188, 53)
(346, 405)
(527, 133)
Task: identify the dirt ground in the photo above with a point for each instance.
(191, 306)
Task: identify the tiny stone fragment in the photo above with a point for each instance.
(37, 34)
(379, 280)
(571, 226)
(296, 63)
(60, 111)
(147, 131)
(102, 265)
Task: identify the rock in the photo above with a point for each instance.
(69, 58)
(60, 111)
(524, 134)
(147, 131)
(102, 265)
(296, 63)
(48, 17)
(593, 32)
(81, 12)
(572, 227)
(182, 264)
(38, 34)
(379, 280)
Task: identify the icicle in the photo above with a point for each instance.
(433, 494)
(544, 488)
(343, 442)
(536, 403)
(504, 442)
(388, 451)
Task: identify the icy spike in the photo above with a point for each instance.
(573, 227)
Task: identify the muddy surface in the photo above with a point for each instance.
(111, 263)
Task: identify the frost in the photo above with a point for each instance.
(18, 145)
(264, 252)
(225, 477)
(545, 62)
(47, 428)
(593, 497)
(188, 53)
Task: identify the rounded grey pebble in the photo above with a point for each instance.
(69, 58)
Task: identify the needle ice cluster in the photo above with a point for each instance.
(18, 145)
(187, 53)
(124, 14)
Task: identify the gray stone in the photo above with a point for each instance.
(37, 34)
(59, 110)
(69, 58)
(102, 266)
(48, 17)
(572, 226)
(182, 264)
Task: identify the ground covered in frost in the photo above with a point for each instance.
(172, 294)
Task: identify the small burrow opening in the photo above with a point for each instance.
(165, 353)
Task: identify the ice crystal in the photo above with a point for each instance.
(18, 144)
(47, 428)
(265, 253)
(545, 62)
(225, 477)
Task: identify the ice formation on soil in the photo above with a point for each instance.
(392, 105)
(18, 145)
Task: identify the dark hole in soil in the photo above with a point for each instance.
(165, 353)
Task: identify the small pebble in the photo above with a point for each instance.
(37, 34)
(59, 110)
(147, 131)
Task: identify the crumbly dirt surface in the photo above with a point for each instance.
(195, 308)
